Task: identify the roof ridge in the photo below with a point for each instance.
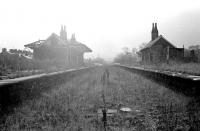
(168, 41)
(154, 41)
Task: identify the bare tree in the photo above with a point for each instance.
(127, 56)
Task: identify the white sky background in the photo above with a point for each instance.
(106, 26)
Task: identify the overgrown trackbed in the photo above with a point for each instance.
(75, 105)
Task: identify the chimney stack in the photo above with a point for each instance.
(154, 32)
(152, 27)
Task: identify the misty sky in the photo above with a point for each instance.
(106, 26)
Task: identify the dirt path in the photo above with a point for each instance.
(131, 103)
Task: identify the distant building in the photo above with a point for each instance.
(194, 47)
(194, 53)
(160, 49)
(59, 49)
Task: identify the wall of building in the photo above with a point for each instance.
(158, 52)
(50, 53)
(145, 54)
(195, 55)
(176, 54)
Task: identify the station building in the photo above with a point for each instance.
(60, 49)
(159, 49)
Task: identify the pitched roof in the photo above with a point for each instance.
(79, 46)
(151, 43)
(34, 44)
(54, 40)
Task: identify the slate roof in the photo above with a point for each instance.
(151, 43)
(54, 40)
(34, 44)
(80, 47)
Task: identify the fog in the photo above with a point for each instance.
(104, 26)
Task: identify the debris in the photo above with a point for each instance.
(125, 109)
(109, 112)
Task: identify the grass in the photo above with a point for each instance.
(73, 106)
(187, 68)
(6, 73)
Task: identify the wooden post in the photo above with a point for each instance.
(168, 55)
(104, 119)
(104, 80)
(183, 53)
(149, 56)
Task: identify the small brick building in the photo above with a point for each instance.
(160, 49)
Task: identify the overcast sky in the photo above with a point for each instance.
(106, 26)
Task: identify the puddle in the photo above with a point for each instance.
(196, 79)
(125, 109)
(114, 111)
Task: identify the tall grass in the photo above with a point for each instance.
(188, 68)
(73, 106)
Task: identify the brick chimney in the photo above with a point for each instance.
(154, 32)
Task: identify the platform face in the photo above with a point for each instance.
(131, 101)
